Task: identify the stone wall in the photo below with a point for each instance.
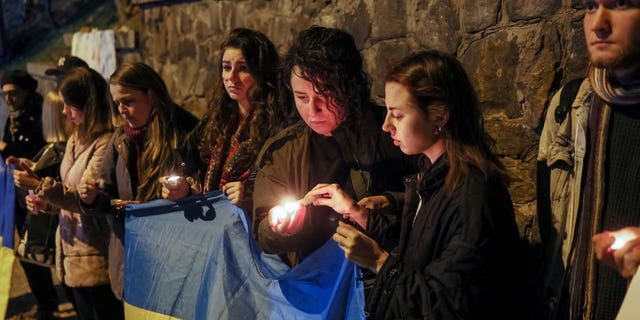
(517, 53)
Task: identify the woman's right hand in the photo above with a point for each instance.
(174, 187)
(88, 190)
(35, 204)
(25, 178)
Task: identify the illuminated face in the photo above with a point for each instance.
(236, 77)
(410, 127)
(612, 33)
(135, 106)
(73, 113)
(14, 97)
(314, 108)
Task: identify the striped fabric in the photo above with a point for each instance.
(610, 91)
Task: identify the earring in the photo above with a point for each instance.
(437, 131)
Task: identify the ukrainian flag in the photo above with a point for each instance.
(7, 195)
(196, 259)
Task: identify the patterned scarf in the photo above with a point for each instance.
(231, 159)
(610, 91)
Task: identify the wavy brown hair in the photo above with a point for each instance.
(223, 116)
(86, 89)
(330, 60)
(166, 129)
(438, 82)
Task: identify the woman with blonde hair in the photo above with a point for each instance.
(149, 145)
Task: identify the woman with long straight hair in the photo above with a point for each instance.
(457, 256)
(145, 148)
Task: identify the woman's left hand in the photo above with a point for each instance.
(234, 191)
(359, 248)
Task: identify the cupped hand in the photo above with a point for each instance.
(35, 204)
(287, 219)
(359, 248)
(619, 249)
(25, 179)
(174, 187)
(88, 190)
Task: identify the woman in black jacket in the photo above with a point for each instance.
(458, 242)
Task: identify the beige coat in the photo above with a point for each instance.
(82, 240)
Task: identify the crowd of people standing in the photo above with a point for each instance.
(411, 191)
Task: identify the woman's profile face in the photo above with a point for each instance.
(134, 105)
(314, 108)
(236, 77)
(74, 114)
(410, 127)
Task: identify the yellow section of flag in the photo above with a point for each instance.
(132, 312)
(6, 268)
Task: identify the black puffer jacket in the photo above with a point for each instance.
(457, 257)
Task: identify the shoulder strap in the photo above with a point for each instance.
(567, 96)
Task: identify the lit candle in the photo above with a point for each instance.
(173, 179)
(622, 237)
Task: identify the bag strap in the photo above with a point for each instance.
(567, 96)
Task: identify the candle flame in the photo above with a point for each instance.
(622, 237)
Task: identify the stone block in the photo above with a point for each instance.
(476, 15)
(435, 26)
(527, 9)
(389, 22)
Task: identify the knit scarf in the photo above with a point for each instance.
(610, 91)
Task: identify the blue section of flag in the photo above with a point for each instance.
(7, 194)
(197, 260)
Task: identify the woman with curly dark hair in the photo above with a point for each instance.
(242, 114)
(337, 142)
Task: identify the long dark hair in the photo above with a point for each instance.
(165, 130)
(437, 82)
(223, 115)
(330, 60)
(87, 90)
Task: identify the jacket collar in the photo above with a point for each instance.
(432, 176)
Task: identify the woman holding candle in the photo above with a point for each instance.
(82, 241)
(141, 152)
(336, 141)
(242, 115)
(457, 257)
